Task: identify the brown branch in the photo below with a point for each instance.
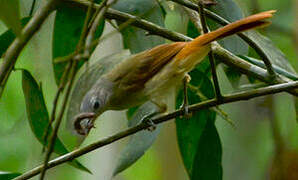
(73, 64)
(210, 54)
(14, 50)
(224, 22)
(224, 55)
(192, 109)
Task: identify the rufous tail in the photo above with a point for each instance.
(250, 22)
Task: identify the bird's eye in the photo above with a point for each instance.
(96, 105)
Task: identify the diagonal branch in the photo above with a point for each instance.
(224, 22)
(14, 50)
(192, 109)
(210, 54)
(224, 55)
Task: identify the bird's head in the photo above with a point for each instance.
(93, 104)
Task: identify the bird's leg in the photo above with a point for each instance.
(185, 104)
(162, 107)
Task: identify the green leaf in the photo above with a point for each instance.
(272, 52)
(276, 68)
(192, 131)
(8, 175)
(134, 38)
(229, 10)
(38, 115)
(140, 142)
(68, 25)
(296, 107)
(208, 157)
(130, 112)
(10, 15)
(8, 36)
(233, 75)
(88, 77)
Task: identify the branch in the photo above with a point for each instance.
(224, 22)
(210, 54)
(73, 69)
(20, 41)
(192, 109)
(224, 55)
(136, 21)
(245, 67)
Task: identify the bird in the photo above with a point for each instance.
(151, 74)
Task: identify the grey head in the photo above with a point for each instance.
(94, 103)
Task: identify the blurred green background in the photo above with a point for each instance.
(247, 149)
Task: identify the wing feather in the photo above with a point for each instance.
(133, 73)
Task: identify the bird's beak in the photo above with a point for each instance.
(84, 122)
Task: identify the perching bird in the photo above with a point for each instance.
(149, 75)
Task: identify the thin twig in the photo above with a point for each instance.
(192, 109)
(32, 8)
(72, 77)
(247, 68)
(94, 25)
(58, 122)
(210, 54)
(224, 22)
(224, 55)
(56, 100)
(13, 51)
(277, 69)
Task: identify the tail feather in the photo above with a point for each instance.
(196, 46)
(250, 22)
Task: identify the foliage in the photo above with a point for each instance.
(199, 134)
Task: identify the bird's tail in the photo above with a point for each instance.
(250, 22)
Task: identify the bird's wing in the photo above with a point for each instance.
(133, 73)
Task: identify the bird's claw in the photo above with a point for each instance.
(186, 112)
(148, 120)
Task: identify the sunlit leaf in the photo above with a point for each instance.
(140, 142)
(8, 36)
(192, 132)
(85, 82)
(38, 115)
(68, 25)
(134, 38)
(8, 175)
(10, 15)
